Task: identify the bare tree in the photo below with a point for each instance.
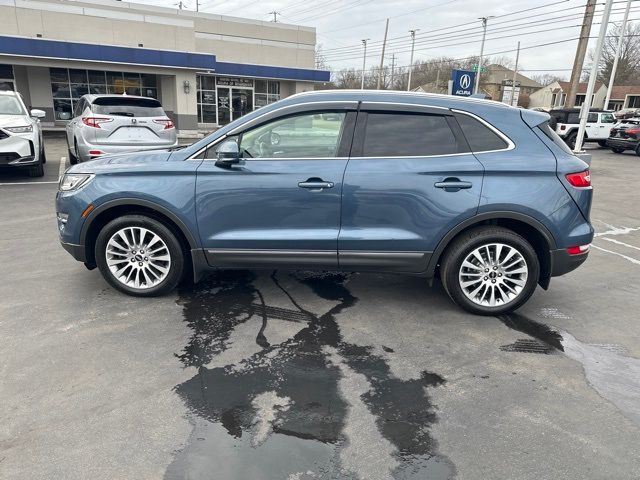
(321, 59)
(547, 78)
(628, 72)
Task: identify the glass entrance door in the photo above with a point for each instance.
(242, 102)
(224, 105)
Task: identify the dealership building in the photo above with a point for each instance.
(206, 69)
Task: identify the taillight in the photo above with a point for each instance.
(578, 250)
(580, 179)
(95, 121)
(166, 122)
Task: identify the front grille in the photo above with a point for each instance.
(6, 157)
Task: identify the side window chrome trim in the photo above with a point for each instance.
(510, 144)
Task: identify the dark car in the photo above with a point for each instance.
(625, 136)
(483, 195)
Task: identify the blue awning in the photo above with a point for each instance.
(62, 50)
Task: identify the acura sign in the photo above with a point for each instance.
(463, 81)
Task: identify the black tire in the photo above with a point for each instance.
(174, 247)
(571, 140)
(617, 150)
(464, 244)
(638, 150)
(602, 143)
(36, 171)
(72, 158)
(43, 156)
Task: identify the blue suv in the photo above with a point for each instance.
(485, 196)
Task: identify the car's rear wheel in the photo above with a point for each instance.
(617, 150)
(638, 150)
(571, 141)
(140, 256)
(602, 143)
(490, 270)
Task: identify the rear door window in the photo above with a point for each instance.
(480, 137)
(399, 134)
(127, 107)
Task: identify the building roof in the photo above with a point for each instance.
(496, 73)
(619, 92)
(582, 87)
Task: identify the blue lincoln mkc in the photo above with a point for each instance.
(483, 195)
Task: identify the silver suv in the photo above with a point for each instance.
(109, 124)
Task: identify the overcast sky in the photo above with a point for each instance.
(446, 27)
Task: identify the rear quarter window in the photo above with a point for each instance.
(127, 107)
(554, 137)
(480, 137)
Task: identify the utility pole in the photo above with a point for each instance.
(393, 66)
(617, 57)
(275, 16)
(437, 79)
(413, 44)
(581, 51)
(364, 61)
(515, 76)
(584, 112)
(197, 5)
(384, 46)
(479, 69)
(180, 5)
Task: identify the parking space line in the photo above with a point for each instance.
(612, 240)
(616, 230)
(63, 161)
(630, 259)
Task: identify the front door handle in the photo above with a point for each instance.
(452, 184)
(316, 184)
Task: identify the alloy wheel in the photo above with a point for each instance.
(493, 274)
(138, 257)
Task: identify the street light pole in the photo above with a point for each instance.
(515, 76)
(584, 112)
(413, 44)
(617, 57)
(364, 61)
(484, 34)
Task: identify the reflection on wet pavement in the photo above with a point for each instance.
(289, 410)
(612, 374)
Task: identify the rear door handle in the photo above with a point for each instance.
(452, 184)
(316, 184)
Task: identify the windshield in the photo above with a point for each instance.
(10, 106)
(608, 118)
(128, 107)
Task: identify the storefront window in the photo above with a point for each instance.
(206, 91)
(6, 77)
(267, 91)
(68, 85)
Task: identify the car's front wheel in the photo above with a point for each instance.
(140, 256)
(602, 143)
(490, 270)
(617, 150)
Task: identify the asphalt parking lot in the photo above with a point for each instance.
(297, 375)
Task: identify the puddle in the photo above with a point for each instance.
(614, 375)
(282, 411)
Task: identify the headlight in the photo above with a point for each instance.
(73, 181)
(23, 129)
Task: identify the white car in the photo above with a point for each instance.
(21, 144)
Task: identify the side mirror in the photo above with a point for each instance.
(37, 113)
(228, 154)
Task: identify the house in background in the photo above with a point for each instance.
(497, 84)
(555, 94)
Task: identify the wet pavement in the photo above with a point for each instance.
(303, 375)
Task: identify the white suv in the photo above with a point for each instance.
(21, 144)
(567, 122)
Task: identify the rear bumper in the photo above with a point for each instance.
(562, 262)
(626, 143)
(84, 149)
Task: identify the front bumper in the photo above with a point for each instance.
(76, 251)
(625, 143)
(19, 150)
(562, 262)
